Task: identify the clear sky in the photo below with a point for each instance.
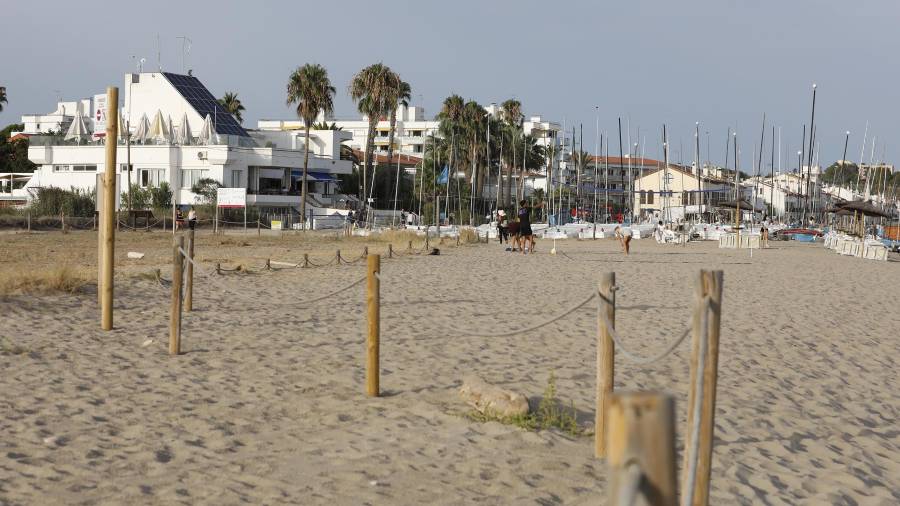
(720, 62)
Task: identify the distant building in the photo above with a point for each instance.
(267, 163)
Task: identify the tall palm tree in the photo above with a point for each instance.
(310, 89)
(371, 89)
(511, 110)
(232, 104)
(2, 97)
(399, 96)
(451, 117)
(474, 126)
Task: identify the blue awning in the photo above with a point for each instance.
(323, 177)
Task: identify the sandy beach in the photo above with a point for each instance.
(267, 405)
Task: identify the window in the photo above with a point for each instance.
(417, 148)
(236, 179)
(189, 177)
(151, 177)
(650, 197)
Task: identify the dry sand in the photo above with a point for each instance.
(267, 405)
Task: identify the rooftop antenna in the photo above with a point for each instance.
(185, 49)
(158, 53)
(140, 65)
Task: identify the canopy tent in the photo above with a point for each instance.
(865, 208)
(78, 130)
(184, 132)
(731, 204)
(208, 133)
(170, 130)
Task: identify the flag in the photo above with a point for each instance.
(445, 175)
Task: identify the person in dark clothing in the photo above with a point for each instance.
(502, 231)
(525, 232)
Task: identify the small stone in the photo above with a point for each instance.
(146, 343)
(135, 255)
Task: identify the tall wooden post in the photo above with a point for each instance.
(189, 288)
(605, 361)
(373, 303)
(175, 308)
(306, 260)
(709, 283)
(641, 438)
(109, 210)
(337, 256)
(390, 250)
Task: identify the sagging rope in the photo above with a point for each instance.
(633, 357)
(533, 327)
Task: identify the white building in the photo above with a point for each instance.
(268, 163)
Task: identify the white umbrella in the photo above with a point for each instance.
(123, 127)
(78, 130)
(158, 131)
(143, 129)
(170, 130)
(208, 132)
(184, 131)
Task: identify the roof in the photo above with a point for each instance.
(686, 171)
(193, 91)
(623, 161)
(403, 159)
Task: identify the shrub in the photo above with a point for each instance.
(52, 201)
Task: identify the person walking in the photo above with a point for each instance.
(502, 230)
(525, 233)
(192, 218)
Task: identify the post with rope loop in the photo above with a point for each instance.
(365, 251)
(108, 216)
(708, 288)
(409, 246)
(337, 256)
(175, 308)
(189, 285)
(373, 305)
(390, 250)
(605, 361)
(218, 268)
(641, 460)
(306, 260)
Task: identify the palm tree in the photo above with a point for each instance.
(232, 104)
(474, 125)
(451, 116)
(511, 110)
(371, 89)
(311, 90)
(2, 97)
(399, 97)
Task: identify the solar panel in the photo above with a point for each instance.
(205, 104)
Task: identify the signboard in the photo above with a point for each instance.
(276, 224)
(231, 197)
(99, 114)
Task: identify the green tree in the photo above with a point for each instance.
(310, 89)
(161, 196)
(399, 96)
(14, 154)
(231, 103)
(2, 97)
(371, 89)
(511, 112)
(206, 189)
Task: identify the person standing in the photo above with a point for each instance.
(525, 232)
(502, 231)
(192, 218)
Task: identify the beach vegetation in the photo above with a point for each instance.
(52, 201)
(56, 280)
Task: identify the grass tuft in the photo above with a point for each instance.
(62, 279)
(550, 414)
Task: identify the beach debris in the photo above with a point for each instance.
(51, 441)
(146, 343)
(492, 400)
(434, 251)
(135, 255)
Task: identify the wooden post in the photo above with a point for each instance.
(28, 220)
(337, 255)
(218, 268)
(709, 283)
(641, 438)
(365, 251)
(373, 303)
(390, 250)
(94, 222)
(189, 288)
(306, 260)
(175, 308)
(605, 361)
(409, 246)
(109, 212)
(268, 264)
(62, 222)
(258, 228)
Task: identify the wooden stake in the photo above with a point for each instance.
(338, 256)
(28, 220)
(641, 438)
(62, 222)
(373, 303)
(175, 308)
(218, 268)
(390, 250)
(258, 228)
(109, 213)
(189, 288)
(605, 361)
(409, 246)
(709, 283)
(306, 260)
(365, 251)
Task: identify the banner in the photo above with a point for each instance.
(231, 197)
(445, 176)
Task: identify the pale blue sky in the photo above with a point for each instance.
(720, 62)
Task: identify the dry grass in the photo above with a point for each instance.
(62, 279)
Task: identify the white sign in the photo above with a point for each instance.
(276, 224)
(99, 114)
(231, 197)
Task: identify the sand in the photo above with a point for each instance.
(267, 404)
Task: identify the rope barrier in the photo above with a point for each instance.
(533, 327)
(694, 455)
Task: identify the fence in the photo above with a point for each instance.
(634, 431)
